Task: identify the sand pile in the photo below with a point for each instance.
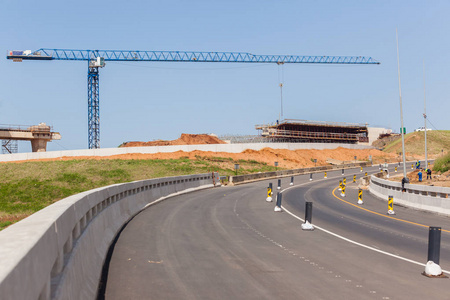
(185, 139)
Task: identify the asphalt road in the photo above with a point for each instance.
(228, 243)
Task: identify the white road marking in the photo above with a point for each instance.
(361, 245)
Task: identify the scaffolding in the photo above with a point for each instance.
(10, 147)
(304, 131)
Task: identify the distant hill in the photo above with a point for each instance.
(437, 141)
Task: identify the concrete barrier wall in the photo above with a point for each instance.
(428, 198)
(239, 179)
(59, 252)
(231, 148)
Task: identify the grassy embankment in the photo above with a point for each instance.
(442, 164)
(437, 140)
(30, 186)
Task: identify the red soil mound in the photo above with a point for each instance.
(185, 139)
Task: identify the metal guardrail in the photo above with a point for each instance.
(240, 179)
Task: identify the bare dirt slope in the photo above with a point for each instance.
(286, 158)
(185, 139)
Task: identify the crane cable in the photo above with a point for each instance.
(281, 81)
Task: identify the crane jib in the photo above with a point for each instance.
(182, 56)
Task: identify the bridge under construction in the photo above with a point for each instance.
(291, 131)
(38, 135)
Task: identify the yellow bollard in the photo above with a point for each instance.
(391, 205)
(395, 169)
(361, 169)
(360, 197)
(340, 185)
(412, 166)
(354, 178)
(269, 194)
(325, 176)
(365, 174)
(344, 181)
(343, 191)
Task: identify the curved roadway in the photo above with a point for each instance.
(228, 243)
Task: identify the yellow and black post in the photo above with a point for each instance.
(412, 166)
(395, 169)
(354, 178)
(343, 191)
(344, 181)
(360, 196)
(365, 174)
(269, 193)
(340, 185)
(325, 175)
(391, 205)
(361, 169)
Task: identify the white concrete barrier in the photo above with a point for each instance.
(230, 148)
(429, 198)
(59, 252)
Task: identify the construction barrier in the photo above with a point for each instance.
(360, 196)
(343, 191)
(391, 205)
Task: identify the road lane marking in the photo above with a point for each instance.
(361, 245)
(379, 214)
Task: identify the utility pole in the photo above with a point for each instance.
(401, 112)
(425, 115)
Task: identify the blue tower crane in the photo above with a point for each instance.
(96, 59)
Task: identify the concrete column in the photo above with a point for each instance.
(38, 145)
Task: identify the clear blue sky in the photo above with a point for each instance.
(146, 101)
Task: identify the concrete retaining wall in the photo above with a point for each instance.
(59, 252)
(239, 179)
(429, 198)
(231, 148)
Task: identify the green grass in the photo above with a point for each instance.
(442, 164)
(28, 187)
(437, 140)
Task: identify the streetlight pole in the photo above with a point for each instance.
(401, 111)
(425, 115)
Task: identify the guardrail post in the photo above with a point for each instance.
(279, 184)
(278, 205)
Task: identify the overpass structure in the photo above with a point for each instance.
(38, 135)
